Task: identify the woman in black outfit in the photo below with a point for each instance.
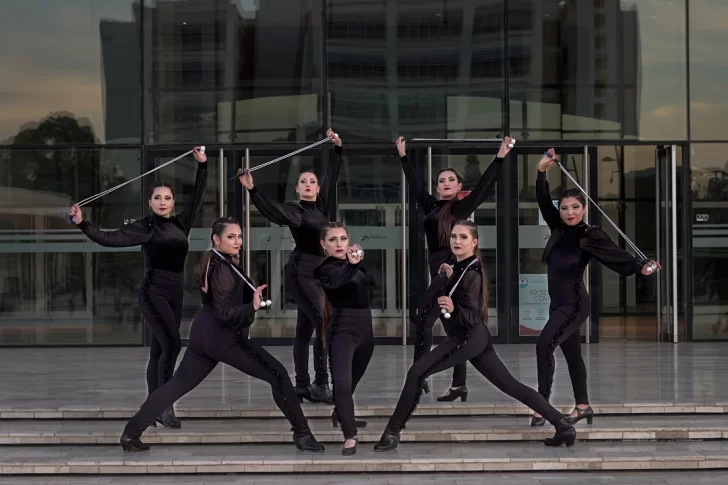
(305, 220)
(440, 216)
(568, 251)
(219, 333)
(347, 324)
(163, 238)
(464, 297)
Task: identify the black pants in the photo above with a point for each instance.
(210, 342)
(426, 320)
(160, 302)
(308, 295)
(569, 309)
(351, 347)
(474, 345)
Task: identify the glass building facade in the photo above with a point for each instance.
(630, 93)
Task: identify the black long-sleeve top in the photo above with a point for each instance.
(570, 248)
(432, 207)
(163, 239)
(304, 218)
(467, 297)
(346, 285)
(227, 294)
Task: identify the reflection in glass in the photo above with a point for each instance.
(533, 233)
(598, 70)
(428, 69)
(227, 71)
(708, 70)
(77, 60)
(709, 189)
(56, 287)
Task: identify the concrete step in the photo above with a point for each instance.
(410, 457)
(419, 429)
(320, 410)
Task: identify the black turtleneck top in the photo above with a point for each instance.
(467, 297)
(346, 285)
(570, 248)
(432, 207)
(163, 239)
(227, 294)
(304, 218)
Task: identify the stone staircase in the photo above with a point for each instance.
(443, 437)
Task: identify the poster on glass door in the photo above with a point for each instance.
(534, 303)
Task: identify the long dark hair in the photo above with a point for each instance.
(218, 228)
(157, 185)
(484, 279)
(575, 193)
(445, 223)
(326, 309)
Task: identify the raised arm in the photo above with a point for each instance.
(134, 234)
(425, 200)
(332, 275)
(328, 187)
(226, 300)
(543, 193)
(279, 213)
(192, 209)
(485, 185)
(597, 243)
(467, 312)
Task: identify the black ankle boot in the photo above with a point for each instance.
(304, 392)
(306, 441)
(321, 392)
(129, 444)
(168, 419)
(336, 422)
(389, 440)
(452, 394)
(425, 388)
(565, 434)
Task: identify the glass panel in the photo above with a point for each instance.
(431, 68)
(610, 70)
(709, 188)
(70, 72)
(226, 71)
(181, 175)
(471, 167)
(708, 70)
(56, 287)
(533, 233)
(271, 245)
(369, 203)
(626, 184)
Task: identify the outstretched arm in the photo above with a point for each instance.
(192, 209)
(134, 234)
(597, 243)
(424, 199)
(485, 185)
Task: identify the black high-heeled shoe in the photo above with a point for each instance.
(537, 421)
(389, 440)
(453, 394)
(586, 413)
(304, 392)
(565, 435)
(351, 450)
(306, 441)
(336, 422)
(425, 388)
(321, 392)
(129, 444)
(168, 419)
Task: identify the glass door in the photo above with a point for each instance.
(667, 242)
(530, 298)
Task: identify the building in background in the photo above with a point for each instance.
(94, 95)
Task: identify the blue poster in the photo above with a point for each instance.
(534, 303)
